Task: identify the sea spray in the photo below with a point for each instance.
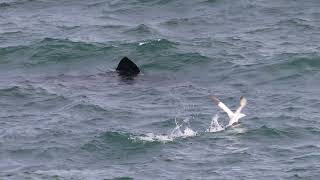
(214, 125)
(181, 130)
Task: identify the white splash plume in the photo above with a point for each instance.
(214, 125)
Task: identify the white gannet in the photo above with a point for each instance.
(233, 116)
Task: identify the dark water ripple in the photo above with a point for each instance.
(66, 114)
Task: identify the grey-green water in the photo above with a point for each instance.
(65, 113)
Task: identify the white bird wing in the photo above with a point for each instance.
(226, 109)
(223, 106)
(243, 103)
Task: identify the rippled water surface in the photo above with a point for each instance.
(66, 114)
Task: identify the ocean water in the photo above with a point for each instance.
(66, 114)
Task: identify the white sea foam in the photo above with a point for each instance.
(146, 42)
(142, 43)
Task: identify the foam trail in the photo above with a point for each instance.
(150, 137)
(214, 125)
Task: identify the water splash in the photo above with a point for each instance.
(188, 132)
(214, 125)
(182, 130)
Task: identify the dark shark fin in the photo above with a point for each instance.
(127, 68)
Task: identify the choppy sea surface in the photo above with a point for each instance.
(66, 114)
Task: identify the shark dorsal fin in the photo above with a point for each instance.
(127, 67)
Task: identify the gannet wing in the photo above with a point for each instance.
(243, 103)
(223, 106)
